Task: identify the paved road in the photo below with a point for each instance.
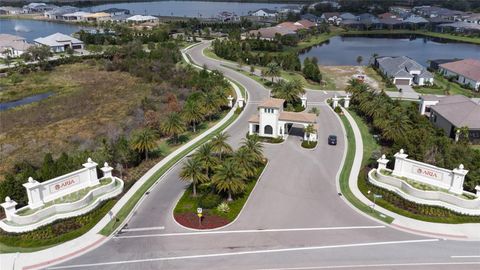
(294, 219)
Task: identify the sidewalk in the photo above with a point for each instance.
(92, 239)
(467, 231)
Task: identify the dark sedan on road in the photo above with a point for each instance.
(332, 140)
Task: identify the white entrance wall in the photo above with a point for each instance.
(451, 180)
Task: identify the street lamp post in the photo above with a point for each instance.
(375, 197)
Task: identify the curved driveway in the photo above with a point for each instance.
(293, 219)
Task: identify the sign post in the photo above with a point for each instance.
(199, 214)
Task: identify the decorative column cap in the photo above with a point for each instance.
(230, 97)
(31, 183)
(106, 167)
(90, 163)
(477, 188)
(383, 159)
(9, 203)
(335, 97)
(401, 154)
(460, 170)
(303, 96)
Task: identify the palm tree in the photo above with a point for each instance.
(229, 177)
(173, 125)
(193, 113)
(192, 171)
(144, 141)
(253, 144)
(396, 125)
(220, 145)
(204, 154)
(290, 91)
(245, 160)
(273, 70)
(310, 129)
(211, 103)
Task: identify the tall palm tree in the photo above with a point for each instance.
(144, 141)
(193, 113)
(173, 125)
(396, 125)
(192, 171)
(310, 129)
(245, 160)
(211, 103)
(204, 154)
(253, 144)
(220, 145)
(229, 178)
(273, 70)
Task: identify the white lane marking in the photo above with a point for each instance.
(262, 251)
(464, 256)
(253, 231)
(143, 229)
(357, 266)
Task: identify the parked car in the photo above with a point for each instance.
(332, 140)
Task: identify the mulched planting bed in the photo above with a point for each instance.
(190, 220)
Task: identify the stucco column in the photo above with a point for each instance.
(230, 101)
(399, 160)
(107, 171)
(304, 101)
(34, 194)
(9, 207)
(457, 135)
(477, 188)
(382, 163)
(458, 177)
(92, 172)
(346, 101)
(335, 100)
(250, 129)
(241, 102)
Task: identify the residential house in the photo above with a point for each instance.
(226, 16)
(401, 12)
(387, 15)
(141, 18)
(310, 17)
(99, 16)
(433, 12)
(460, 27)
(403, 70)
(348, 16)
(11, 10)
(76, 16)
(390, 23)
(466, 72)
(451, 113)
(58, 12)
(119, 18)
(269, 33)
(59, 42)
(290, 9)
(306, 24)
(116, 11)
(264, 12)
(333, 4)
(415, 19)
(435, 63)
(13, 46)
(331, 18)
(472, 18)
(367, 19)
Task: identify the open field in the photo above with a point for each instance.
(88, 104)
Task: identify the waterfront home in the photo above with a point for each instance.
(116, 11)
(57, 13)
(310, 17)
(226, 16)
(434, 64)
(37, 8)
(387, 15)
(75, 16)
(264, 12)
(450, 113)
(13, 46)
(348, 16)
(460, 27)
(99, 16)
(466, 72)
(59, 42)
(269, 33)
(403, 70)
(415, 19)
(118, 18)
(472, 18)
(11, 10)
(141, 18)
(433, 12)
(331, 18)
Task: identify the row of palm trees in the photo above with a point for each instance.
(216, 162)
(199, 107)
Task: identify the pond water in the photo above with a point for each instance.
(203, 9)
(27, 100)
(32, 29)
(339, 51)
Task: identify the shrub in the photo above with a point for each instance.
(209, 201)
(223, 207)
(308, 144)
(338, 110)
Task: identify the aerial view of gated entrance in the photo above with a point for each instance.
(257, 134)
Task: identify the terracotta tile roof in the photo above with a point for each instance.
(298, 117)
(254, 119)
(469, 68)
(306, 23)
(272, 103)
(290, 26)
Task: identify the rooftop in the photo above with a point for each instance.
(459, 110)
(469, 68)
(272, 103)
(57, 39)
(298, 117)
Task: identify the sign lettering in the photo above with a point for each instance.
(427, 173)
(65, 184)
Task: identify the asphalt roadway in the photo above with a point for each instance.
(294, 218)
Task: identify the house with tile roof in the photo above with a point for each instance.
(403, 70)
(59, 42)
(466, 72)
(273, 122)
(13, 46)
(450, 113)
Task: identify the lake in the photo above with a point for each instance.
(203, 9)
(32, 29)
(341, 51)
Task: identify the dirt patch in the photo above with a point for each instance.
(342, 74)
(190, 220)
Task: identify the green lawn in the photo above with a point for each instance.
(344, 175)
(455, 88)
